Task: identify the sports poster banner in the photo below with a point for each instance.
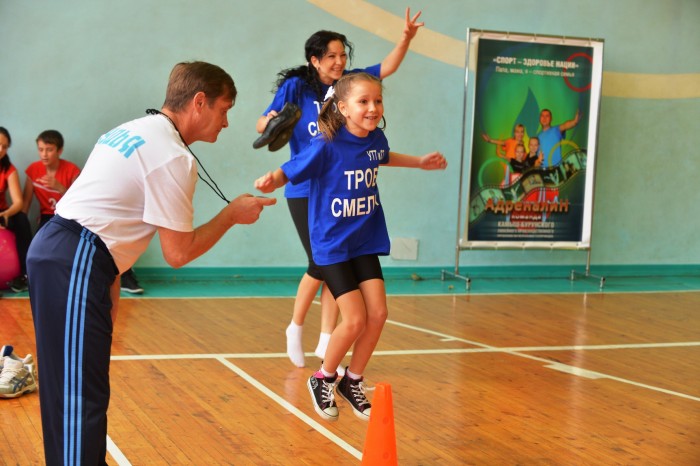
(534, 131)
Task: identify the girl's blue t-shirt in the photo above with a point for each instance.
(346, 219)
(293, 90)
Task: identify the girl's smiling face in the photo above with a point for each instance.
(363, 108)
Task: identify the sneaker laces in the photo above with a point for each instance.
(9, 373)
(358, 393)
(327, 392)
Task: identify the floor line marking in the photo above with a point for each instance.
(483, 349)
(116, 453)
(547, 362)
(517, 351)
(437, 334)
(573, 370)
(292, 409)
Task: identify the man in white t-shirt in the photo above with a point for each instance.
(139, 180)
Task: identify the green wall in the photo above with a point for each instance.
(83, 67)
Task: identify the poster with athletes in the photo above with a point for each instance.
(533, 146)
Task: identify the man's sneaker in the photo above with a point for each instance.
(353, 391)
(16, 378)
(19, 284)
(321, 389)
(129, 283)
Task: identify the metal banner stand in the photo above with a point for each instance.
(589, 52)
(456, 273)
(587, 273)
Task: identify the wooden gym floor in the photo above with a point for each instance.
(492, 379)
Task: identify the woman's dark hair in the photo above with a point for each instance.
(5, 161)
(316, 46)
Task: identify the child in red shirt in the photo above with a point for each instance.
(50, 177)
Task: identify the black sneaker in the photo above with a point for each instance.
(129, 283)
(19, 284)
(321, 389)
(274, 133)
(353, 391)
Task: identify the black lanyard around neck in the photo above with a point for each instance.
(211, 183)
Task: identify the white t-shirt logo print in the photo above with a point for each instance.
(375, 154)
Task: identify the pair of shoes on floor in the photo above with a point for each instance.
(129, 283)
(279, 129)
(17, 375)
(19, 284)
(352, 391)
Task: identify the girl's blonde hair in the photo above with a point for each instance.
(330, 120)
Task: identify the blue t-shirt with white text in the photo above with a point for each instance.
(346, 219)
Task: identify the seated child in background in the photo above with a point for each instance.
(50, 177)
(11, 215)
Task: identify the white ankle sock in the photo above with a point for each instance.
(323, 340)
(326, 373)
(294, 350)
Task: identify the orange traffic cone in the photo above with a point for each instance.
(380, 443)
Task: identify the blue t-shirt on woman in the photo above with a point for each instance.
(293, 90)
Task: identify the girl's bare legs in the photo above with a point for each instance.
(306, 292)
(372, 304)
(352, 324)
(329, 318)
(374, 295)
(364, 313)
